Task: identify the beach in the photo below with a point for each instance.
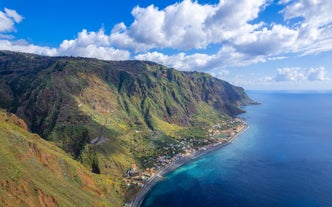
(137, 201)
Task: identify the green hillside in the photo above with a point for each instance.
(111, 114)
(35, 172)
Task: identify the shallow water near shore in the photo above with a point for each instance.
(283, 159)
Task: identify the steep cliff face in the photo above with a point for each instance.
(109, 114)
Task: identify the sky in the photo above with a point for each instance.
(256, 44)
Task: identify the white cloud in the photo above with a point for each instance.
(222, 74)
(315, 13)
(121, 39)
(87, 44)
(147, 27)
(268, 42)
(93, 51)
(229, 25)
(300, 74)
(230, 21)
(289, 74)
(317, 74)
(179, 26)
(180, 61)
(6, 36)
(227, 56)
(92, 44)
(190, 27)
(23, 46)
(14, 15)
(314, 24)
(8, 18)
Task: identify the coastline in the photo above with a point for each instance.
(153, 180)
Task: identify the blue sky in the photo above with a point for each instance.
(257, 44)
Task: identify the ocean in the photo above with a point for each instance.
(283, 159)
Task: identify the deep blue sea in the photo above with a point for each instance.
(283, 159)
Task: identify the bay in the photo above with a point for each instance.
(283, 159)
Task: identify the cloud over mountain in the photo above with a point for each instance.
(92, 44)
(233, 28)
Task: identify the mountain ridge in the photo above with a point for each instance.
(111, 114)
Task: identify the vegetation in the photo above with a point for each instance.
(35, 172)
(111, 114)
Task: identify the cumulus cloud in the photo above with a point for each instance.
(181, 61)
(230, 21)
(14, 15)
(227, 56)
(180, 26)
(190, 25)
(300, 74)
(23, 46)
(87, 44)
(92, 44)
(187, 25)
(314, 24)
(315, 13)
(8, 19)
(289, 74)
(317, 74)
(268, 42)
(190, 28)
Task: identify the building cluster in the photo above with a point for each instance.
(226, 129)
(182, 149)
(135, 176)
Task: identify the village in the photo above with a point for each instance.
(185, 149)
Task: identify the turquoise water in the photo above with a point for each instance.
(283, 159)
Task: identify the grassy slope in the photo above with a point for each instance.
(136, 107)
(35, 172)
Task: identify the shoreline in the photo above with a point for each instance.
(153, 180)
